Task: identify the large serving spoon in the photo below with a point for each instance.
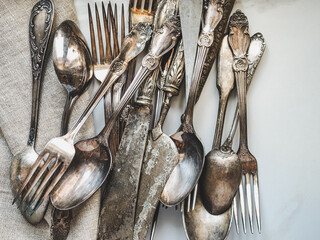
(40, 25)
(93, 159)
(221, 174)
(186, 174)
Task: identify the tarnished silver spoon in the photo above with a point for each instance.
(199, 224)
(186, 174)
(40, 25)
(221, 174)
(93, 159)
(68, 70)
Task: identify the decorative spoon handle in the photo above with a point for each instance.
(133, 44)
(239, 40)
(212, 15)
(255, 53)
(39, 34)
(163, 41)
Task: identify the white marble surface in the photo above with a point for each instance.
(283, 118)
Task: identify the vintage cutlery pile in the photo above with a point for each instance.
(132, 160)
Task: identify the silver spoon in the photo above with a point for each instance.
(93, 159)
(186, 174)
(70, 76)
(221, 174)
(199, 224)
(40, 25)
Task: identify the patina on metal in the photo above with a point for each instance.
(218, 35)
(255, 53)
(118, 211)
(93, 159)
(75, 86)
(161, 154)
(201, 225)
(221, 174)
(40, 25)
(185, 176)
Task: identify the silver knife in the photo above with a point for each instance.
(190, 16)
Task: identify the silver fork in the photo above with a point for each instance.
(239, 41)
(60, 151)
(255, 53)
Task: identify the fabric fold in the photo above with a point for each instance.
(15, 111)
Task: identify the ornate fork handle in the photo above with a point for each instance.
(253, 60)
(163, 41)
(133, 44)
(239, 41)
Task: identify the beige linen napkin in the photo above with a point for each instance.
(15, 110)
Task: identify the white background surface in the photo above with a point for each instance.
(283, 119)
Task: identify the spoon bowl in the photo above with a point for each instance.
(199, 224)
(73, 65)
(220, 180)
(40, 25)
(186, 174)
(83, 176)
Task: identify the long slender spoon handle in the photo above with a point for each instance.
(133, 44)
(218, 35)
(163, 41)
(255, 53)
(39, 33)
(212, 15)
(239, 40)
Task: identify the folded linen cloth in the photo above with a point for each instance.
(15, 111)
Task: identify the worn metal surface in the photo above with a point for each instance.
(118, 206)
(201, 225)
(255, 53)
(134, 143)
(161, 154)
(190, 14)
(218, 34)
(40, 24)
(221, 174)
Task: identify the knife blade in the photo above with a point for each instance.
(190, 16)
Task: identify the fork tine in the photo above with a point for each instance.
(46, 180)
(123, 28)
(92, 37)
(115, 13)
(242, 207)
(138, 5)
(101, 51)
(153, 6)
(249, 200)
(146, 5)
(235, 212)
(32, 171)
(257, 200)
(189, 203)
(53, 183)
(38, 176)
(114, 32)
(194, 199)
(107, 35)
